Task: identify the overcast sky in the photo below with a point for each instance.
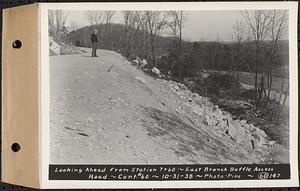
(200, 25)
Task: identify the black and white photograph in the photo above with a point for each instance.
(177, 87)
(173, 87)
(150, 95)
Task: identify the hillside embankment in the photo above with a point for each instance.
(105, 111)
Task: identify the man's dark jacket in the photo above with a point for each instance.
(94, 38)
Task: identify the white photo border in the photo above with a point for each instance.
(44, 91)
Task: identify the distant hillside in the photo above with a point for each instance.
(131, 42)
(112, 37)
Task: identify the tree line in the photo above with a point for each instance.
(258, 42)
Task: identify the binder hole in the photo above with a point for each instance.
(17, 44)
(15, 147)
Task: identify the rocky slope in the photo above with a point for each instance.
(105, 111)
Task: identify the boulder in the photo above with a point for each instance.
(155, 71)
(135, 62)
(237, 133)
(54, 47)
(144, 62)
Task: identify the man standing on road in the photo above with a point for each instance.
(94, 40)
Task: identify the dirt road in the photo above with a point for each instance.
(105, 111)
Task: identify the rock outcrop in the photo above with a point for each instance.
(106, 111)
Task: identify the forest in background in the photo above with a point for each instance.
(197, 56)
(257, 41)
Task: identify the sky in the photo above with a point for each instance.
(199, 25)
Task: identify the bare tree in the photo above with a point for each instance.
(73, 26)
(278, 28)
(239, 38)
(259, 24)
(284, 75)
(176, 20)
(108, 15)
(51, 22)
(218, 50)
(175, 23)
(57, 20)
(156, 21)
(95, 17)
(136, 22)
(126, 17)
(143, 25)
(238, 32)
